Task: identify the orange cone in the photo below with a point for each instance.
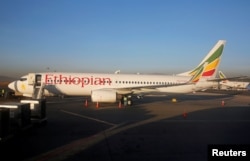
(120, 105)
(97, 104)
(184, 115)
(222, 103)
(86, 103)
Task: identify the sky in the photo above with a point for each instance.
(145, 36)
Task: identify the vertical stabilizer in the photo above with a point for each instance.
(213, 59)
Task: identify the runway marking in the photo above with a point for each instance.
(90, 118)
(74, 147)
(66, 151)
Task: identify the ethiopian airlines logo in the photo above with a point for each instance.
(52, 79)
(23, 87)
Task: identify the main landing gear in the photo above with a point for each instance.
(127, 100)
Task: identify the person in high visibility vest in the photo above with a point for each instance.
(2, 93)
(125, 101)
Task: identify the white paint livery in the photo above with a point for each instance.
(236, 85)
(111, 87)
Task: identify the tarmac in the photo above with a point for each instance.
(154, 128)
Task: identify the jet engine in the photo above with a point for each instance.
(103, 95)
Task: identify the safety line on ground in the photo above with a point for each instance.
(90, 118)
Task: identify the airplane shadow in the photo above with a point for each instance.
(140, 132)
(181, 98)
(176, 138)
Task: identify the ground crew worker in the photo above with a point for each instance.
(2, 93)
(125, 101)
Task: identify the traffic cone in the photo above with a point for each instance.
(184, 115)
(86, 103)
(222, 103)
(97, 104)
(120, 104)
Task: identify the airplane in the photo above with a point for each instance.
(112, 87)
(227, 84)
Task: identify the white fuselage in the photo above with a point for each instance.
(82, 84)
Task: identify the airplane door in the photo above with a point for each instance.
(38, 80)
(35, 79)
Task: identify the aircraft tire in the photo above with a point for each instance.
(130, 102)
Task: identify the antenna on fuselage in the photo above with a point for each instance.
(117, 72)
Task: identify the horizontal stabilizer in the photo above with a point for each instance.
(198, 74)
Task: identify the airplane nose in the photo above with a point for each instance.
(12, 85)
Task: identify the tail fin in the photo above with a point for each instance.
(223, 77)
(213, 60)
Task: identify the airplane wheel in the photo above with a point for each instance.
(130, 102)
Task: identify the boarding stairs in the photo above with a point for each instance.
(38, 91)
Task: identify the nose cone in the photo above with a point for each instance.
(12, 85)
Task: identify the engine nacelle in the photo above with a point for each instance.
(103, 96)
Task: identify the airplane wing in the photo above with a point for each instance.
(228, 78)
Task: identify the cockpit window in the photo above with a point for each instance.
(23, 79)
